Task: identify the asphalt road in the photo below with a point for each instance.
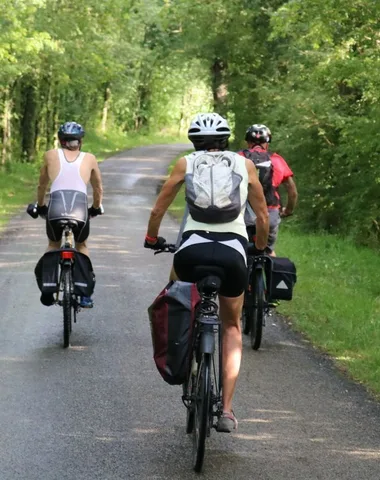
(100, 410)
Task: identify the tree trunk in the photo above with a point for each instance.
(106, 105)
(6, 128)
(219, 87)
(29, 119)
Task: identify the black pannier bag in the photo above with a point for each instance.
(282, 278)
(47, 273)
(83, 275)
(171, 317)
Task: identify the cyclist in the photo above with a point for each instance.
(221, 242)
(69, 170)
(273, 172)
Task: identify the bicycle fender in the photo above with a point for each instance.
(208, 342)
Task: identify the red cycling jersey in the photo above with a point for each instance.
(281, 170)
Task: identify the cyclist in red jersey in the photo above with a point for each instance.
(273, 172)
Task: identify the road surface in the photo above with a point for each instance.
(100, 410)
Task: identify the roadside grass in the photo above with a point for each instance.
(336, 302)
(18, 186)
(18, 181)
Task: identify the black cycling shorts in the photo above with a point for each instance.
(214, 253)
(68, 204)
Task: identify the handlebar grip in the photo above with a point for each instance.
(32, 210)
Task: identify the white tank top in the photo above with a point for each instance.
(69, 177)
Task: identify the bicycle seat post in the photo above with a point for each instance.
(68, 237)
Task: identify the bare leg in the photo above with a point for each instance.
(173, 275)
(230, 313)
(82, 248)
(53, 245)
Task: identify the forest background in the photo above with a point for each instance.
(130, 70)
(308, 69)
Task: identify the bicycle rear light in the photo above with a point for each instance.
(67, 255)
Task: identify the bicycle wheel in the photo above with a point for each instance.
(248, 302)
(67, 307)
(188, 391)
(257, 318)
(201, 410)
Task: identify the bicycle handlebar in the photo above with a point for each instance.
(166, 248)
(33, 211)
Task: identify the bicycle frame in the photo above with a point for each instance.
(207, 325)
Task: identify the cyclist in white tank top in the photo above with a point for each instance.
(222, 240)
(69, 170)
(69, 177)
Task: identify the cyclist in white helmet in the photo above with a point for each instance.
(218, 185)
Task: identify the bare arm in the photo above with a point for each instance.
(259, 206)
(43, 183)
(291, 190)
(168, 193)
(96, 183)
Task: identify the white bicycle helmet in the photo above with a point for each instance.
(209, 124)
(208, 128)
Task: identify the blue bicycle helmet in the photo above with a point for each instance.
(70, 131)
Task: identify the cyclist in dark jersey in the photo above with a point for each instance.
(258, 138)
(222, 243)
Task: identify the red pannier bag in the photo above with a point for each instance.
(171, 317)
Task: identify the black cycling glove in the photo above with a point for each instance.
(159, 245)
(42, 211)
(93, 212)
(34, 210)
(252, 250)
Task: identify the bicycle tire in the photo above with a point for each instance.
(257, 319)
(67, 307)
(245, 321)
(201, 411)
(189, 388)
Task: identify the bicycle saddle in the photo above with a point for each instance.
(209, 278)
(67, 222)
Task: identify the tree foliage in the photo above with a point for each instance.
(307, 68)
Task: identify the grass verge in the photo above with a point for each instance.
(336, 302)
(18, 181)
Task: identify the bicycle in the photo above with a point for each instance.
(256, 305)
(65, 294)
(202, 391)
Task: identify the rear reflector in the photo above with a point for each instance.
(67, 255)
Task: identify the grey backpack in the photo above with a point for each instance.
(213, 186)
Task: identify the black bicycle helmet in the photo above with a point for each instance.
(209, 130)
(71, 131)
(258, 133)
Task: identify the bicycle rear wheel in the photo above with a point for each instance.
(67, 306)
(201, 410)
(257, 317)
(188, 391)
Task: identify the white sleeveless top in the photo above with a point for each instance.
(69, 177)
(236, 226)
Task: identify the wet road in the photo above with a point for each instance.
(99, 410)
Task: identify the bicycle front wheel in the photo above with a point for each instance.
(67, 306)
(257, 318)
(201, 410)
